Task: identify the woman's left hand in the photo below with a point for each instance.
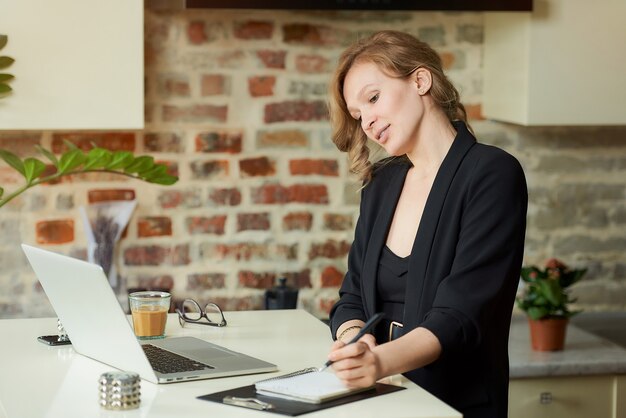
(357, 364)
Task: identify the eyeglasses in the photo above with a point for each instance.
(190, 312)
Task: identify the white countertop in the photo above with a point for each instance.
(41, 381)
(584, 354)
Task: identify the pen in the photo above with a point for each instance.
(369, 325)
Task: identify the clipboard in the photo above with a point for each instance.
(246, 397)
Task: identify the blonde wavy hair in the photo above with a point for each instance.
(397, 54)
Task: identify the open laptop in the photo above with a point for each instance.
(95, 322)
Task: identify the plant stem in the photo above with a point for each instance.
(55, 176)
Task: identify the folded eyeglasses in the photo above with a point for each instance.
(191, 312)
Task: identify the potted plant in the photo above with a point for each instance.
(546, 300)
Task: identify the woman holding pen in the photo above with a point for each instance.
(439, 242)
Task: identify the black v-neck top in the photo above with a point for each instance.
(391, 288)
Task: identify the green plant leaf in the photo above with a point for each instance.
(6, 62)
(1, 191)
(3, 41)
(33, 169)
(143, 163)
(537, 313)
(156, 170)
(5, 88)
(97, 158)
(120, 160)
(12, 160)
(53, 159)
(6, 77)
(71, 159)
(165, 180)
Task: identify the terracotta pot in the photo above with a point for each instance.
(547, 334)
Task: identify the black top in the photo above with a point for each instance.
(391, 287)
(463, 273)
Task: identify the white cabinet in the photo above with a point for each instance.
(78, 64)
(562, 64)
(568, 397)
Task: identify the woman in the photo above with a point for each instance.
(439, 242)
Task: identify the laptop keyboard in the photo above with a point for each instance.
(164, 361)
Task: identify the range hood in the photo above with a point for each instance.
(433, 5)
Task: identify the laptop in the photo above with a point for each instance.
(99, 329)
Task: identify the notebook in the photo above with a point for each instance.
(307, 385)
(95, 322)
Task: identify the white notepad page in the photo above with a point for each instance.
(311, 387)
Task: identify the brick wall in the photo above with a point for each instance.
(235, 104)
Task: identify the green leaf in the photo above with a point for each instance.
(1, 191)
(157, 170)
(120, 160)
(143, 163)
(48, 155)
(12, 160)
(33, 169)
(97, 158)
(5, 88)
(6, 62)
(3, 41)
(165, 180)
(6, 77)
(537, 313)
(70, 160)
(70, 144)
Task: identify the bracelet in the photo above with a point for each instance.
(348, 329)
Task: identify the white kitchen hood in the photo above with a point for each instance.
(562, 64)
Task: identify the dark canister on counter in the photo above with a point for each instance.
(281, 296)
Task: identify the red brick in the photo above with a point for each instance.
(206, 224)
(247, 251)
(196, 33)
(156, 255)
(154, 226)
(174, 85)
(215, 169)
(195, 113)
(254, 30)
(329, 249)
(312, 64)
(114, 141)
(300, 221)
(253, 222)
(319, 167)
(21, 144)
(298, 193)
(219, 141)
(272, 59)
(474, 111)
(106, 195)
(312, 35)
(214, 85)
(162, 283)
(256, 280)
(191, 198)
(204, 281)
(337, 222)
(232, 59)
(261, 86)
(225, 197)
(58, 231)
(253, 167)
(298, 279)
(296, 110)
(282, 139)
(163, 142)
(331, 277)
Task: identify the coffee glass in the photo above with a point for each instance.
(149, 311)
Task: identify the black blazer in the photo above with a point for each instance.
(463, 269)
